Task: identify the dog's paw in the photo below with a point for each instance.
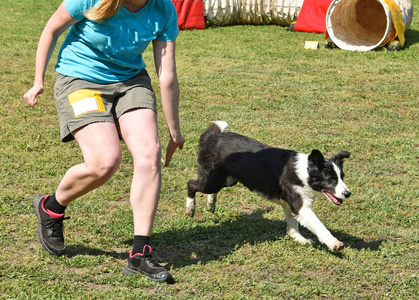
(337, 246)
(190, 212)
(211, 208)
(305, 241)
(302, 240)
(296, 235)
(311, 242)
(190, 207)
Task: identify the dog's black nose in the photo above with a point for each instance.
(347, 194)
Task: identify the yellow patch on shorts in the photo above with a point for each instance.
(86, 101)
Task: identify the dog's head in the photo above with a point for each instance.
(326, 176)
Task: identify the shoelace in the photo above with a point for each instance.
(56, 225)
(151, 261)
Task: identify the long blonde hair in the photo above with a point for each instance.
(105, 9)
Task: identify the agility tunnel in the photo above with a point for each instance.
(251, 12)
(361, 25)
(364, 25)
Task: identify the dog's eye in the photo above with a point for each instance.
(332, 177)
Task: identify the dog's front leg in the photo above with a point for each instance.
(308, 219)
(292, 226)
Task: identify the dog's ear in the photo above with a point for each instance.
(316, 160)
(338, 158)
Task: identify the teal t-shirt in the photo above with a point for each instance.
(111, 51)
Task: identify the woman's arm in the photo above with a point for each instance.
(164, 60)
(59, 22)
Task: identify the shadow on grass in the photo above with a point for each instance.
(412, 37)
(75, 250)
(357, 243)
(203, 244)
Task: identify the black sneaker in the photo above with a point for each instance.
(50, 226)
(145, 264)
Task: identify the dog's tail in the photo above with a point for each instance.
(213, 128)
(222, 125)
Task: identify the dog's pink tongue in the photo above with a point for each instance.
(332, 198)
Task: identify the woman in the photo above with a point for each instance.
(103, 94)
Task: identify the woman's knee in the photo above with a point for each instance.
(100, 145)
(148, 158)
(105, 165)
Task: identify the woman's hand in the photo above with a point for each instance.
(175, 142)
(32, 94)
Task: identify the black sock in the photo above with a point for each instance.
(139, 242)
(52, 204)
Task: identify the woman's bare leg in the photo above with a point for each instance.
(101, 149)
(139, 132)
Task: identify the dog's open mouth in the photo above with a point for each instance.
(332, 198)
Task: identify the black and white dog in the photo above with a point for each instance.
(287, 177)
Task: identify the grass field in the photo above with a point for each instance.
(265, 85)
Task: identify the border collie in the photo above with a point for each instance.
(286, 177)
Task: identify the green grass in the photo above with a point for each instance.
(265, 85)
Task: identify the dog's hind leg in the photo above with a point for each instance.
(190, 200)
(190, 206)
(200, 186)
(208, 183)
(292, 226)
(217, 181)
(211, 201)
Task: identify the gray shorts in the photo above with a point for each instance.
(80, 102)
